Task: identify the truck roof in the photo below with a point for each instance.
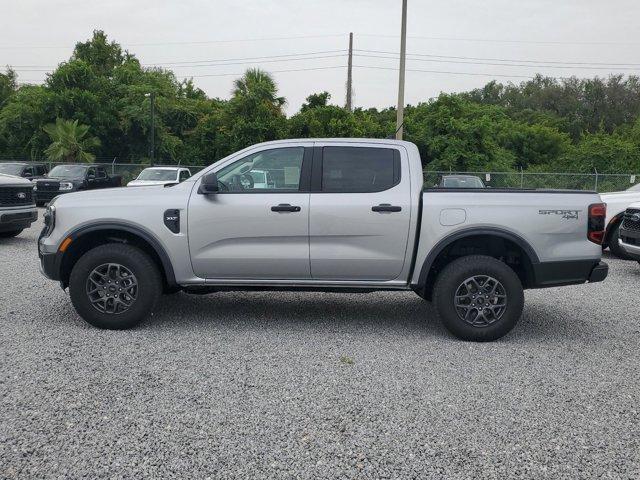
(382, 141)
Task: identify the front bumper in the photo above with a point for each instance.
(17, 218)
(630, 242)
(50, 265)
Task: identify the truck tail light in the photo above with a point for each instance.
(596, 229)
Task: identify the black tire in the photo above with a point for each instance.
(614, 247)
(453, 278)
(11, 234)
(132, 260)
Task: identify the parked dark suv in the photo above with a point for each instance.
(72, 178)
(29, 170)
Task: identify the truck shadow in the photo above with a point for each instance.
(404, 312)
(391, 313)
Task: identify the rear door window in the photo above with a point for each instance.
(359, 169)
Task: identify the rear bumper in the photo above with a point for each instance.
(573, 272)
(17, 218)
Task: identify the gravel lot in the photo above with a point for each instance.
(240, 385)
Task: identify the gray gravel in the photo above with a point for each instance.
(316, 385)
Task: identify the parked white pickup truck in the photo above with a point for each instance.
(339, 215)
(617, 203)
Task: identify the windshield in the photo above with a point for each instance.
(463, 182)
(68, 171)
(11, 168)
(635, 188)
(157, 174)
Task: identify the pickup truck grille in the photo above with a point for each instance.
(631, 219)
(16, 196)
(48, 186)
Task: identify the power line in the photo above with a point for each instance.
(445, 72)
(489, 40)
(213, 62)
(248, 58)
(500, 59)
(575, 67)
(199, 42)
(271, 71)
(224, 64)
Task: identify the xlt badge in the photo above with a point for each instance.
(172, 220)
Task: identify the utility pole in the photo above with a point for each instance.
(403, 51)
(350, 74)
(152, 147)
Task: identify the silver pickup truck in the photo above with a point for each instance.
(341, 215)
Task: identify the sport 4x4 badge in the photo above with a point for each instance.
(566, 214)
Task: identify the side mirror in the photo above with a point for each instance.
(91, 177)
(208, 184)
(27, 175)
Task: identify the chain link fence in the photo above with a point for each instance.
(557, 180)
(128, 171)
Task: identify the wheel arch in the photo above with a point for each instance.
(611, 226)
(88, 236)
(495, 242)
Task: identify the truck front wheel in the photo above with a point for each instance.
(114, 286)
(478, 298)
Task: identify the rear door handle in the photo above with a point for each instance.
(285, 207)
(386, 207)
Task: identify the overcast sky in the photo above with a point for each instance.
(36, 35)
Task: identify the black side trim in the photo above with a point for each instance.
(305, 174)
(472, 232)
(316, 171)
(135, 230)
(571, 272)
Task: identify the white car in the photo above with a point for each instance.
(160, 176)
(617, 203)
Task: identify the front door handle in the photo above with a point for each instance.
(386, 207)
(285, 207)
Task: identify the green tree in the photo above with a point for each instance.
(257, 87)
(8, 85)
(70, 141)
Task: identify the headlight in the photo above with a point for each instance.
(66, 186)
(49, 220)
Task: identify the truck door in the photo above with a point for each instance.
(254, 231)
(360, 212)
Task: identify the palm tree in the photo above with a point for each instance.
(70, 142)
(258, 86)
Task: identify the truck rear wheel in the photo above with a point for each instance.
(478, 298)
(115, 286)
